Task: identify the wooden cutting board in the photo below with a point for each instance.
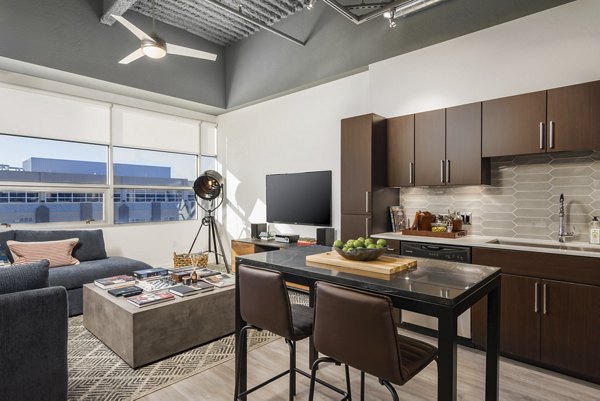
(383, 265)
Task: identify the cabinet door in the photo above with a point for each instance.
(430, 147)
(464, 165)
(355, 225)
(571, 327)
(573, 118)
(514, 125)
(356, 164)
(520, 316)
(401, 151)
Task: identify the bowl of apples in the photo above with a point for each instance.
(361, 249)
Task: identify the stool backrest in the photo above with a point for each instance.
(357, 328)
(264, 301)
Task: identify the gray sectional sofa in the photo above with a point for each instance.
(90, 251)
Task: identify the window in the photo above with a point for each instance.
(152, 186)
(36, 166)
(49, 161)
(50, 207)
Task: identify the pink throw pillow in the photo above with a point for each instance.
(58, 253)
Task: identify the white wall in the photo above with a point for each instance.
(295, 133)
(301, 131)
(553, 48)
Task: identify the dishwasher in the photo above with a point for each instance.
(441, 252)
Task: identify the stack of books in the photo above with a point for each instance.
(115, 282)
(220, 280)
(151, 298)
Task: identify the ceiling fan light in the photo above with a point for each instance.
(154, 51)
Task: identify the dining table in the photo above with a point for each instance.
(437, 288)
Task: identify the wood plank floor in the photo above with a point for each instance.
(517, 381)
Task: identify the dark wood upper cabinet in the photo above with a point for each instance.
(430, 147)
(401, 151)
(514, 125)
(464, 164)
(574, 117)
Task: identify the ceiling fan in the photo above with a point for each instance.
(154, 46)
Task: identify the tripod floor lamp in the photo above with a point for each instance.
(209, 187)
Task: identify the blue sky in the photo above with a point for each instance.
(15, 150)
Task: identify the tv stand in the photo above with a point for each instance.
(246, 246)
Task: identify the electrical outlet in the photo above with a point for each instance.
(467, 218)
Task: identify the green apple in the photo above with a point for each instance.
(338, 243)
(372, 246)
(359, 243)
(382, 242)
(369, 241)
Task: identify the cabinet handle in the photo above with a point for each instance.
(541, 135)
(411, 172)
(545, 300)
(366, 227)
(447, 171)
(551, 128)
(367, 201)
(442, 171)
(535, 299)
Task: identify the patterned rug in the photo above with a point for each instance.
(98, 374)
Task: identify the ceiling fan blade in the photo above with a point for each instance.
(132, 28)
(186, 51)
(132, 57)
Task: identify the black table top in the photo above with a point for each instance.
(435, 281)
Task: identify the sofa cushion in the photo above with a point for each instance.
(58, 253)
(7, 236)
(86, 272)
(90, 246)
(25, 277)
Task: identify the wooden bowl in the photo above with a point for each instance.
(362, 255)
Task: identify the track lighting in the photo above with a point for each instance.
(406, 8)
(311, 4)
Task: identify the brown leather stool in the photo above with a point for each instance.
(265, 305)
(357, 328)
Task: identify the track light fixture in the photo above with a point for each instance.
(311, 4)
(406, 8)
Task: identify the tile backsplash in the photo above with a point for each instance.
(522, 200)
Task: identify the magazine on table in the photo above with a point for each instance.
(115, 282)
(220, 280)
(150, 298)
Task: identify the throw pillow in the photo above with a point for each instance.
(58, 253)
(24, 277)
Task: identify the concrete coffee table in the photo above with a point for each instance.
(143, 335)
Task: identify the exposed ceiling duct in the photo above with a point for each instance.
(227, 21)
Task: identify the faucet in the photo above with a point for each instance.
(562, 234)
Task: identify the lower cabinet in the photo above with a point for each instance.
(545, 319)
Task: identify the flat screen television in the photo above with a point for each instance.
(299, 198)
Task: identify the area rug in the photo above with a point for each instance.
(98, 374)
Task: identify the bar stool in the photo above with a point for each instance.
(265, 305)
(357, 328)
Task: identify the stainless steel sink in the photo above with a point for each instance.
(547, 246)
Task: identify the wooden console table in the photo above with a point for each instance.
(248, 246)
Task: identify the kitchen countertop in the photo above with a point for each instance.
(572, 248)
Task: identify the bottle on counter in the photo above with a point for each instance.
(595, 231)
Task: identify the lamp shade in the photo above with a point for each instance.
(209, 185)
